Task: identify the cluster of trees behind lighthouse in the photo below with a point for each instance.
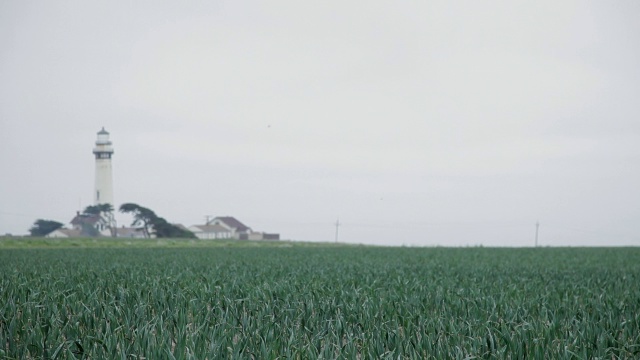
(150, 223)
(143, 218)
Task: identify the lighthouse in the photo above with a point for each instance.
(103, 193)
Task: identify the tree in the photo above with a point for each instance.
(97, 209)
(152, 223)
(163, 229)
(44, 227)
(141, 216)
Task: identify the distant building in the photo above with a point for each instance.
(210, 231)
(64, 233)
(125, 232)
(238, 229)
(90, 224)
(228, 227)
(263, 236)
(223, 227)
(121, 232)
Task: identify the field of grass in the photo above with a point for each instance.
(311, 302)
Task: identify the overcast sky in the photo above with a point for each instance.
(414, 122)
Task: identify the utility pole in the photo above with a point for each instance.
(537, 227)
(337, 226)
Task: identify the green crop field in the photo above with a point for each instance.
(311, 302)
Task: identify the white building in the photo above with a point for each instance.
(64, 233)
(90, 224)
(223, 227)
(228, 227)
(210, 231)
(124, 232)
(103, 151)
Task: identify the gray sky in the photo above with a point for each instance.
(415, 122)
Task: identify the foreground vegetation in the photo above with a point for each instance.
(319, 302)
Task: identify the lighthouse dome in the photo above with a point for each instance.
(103, 137)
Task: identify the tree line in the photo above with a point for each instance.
(144, 219)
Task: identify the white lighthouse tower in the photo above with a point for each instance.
(103, 151)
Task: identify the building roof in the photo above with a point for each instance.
(211, 228)
(90, 219)
(68, 232)
(128, 231)
(233, 223)
(103, 132)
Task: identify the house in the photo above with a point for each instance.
(223, 227)
(90, 224)
(210, 231)
(238, 229)
(125, 232)
(228, 227)
(263, 236)
(64, 233)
